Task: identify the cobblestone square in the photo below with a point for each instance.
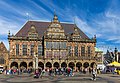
(78, 78)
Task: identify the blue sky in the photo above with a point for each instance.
(94, 17)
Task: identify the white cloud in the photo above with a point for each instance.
(108, 26)
(5, 26)
(66, 13)
(10, 8)
(117, 41)
(83, 25)
(113, 38)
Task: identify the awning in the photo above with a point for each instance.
(116, 64)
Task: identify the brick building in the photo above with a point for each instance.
(3, 55)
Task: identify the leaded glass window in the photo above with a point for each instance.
(48, 45)
(89, 50)
(76, 50)
(32, 50)
(69, 50)
(48, 54)
(82, 51)
(55, 45)
(40, 49)
(24, 49)
(56, 54)
(17, 49)
(63, 45)
(63, 53)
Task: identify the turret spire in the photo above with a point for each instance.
(55, 19)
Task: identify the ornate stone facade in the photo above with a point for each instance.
(54, 44)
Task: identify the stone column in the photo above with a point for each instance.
(44, 65)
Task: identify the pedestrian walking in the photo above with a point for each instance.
(94, 73)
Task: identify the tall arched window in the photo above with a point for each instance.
(82, 51)
(76, 50)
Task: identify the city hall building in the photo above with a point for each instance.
(51, 44)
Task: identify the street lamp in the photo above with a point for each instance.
(116, 55)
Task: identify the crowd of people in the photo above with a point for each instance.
(51, 72)
(13, 71)
(54, 72)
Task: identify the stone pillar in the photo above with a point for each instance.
(18, 65)
(75, 66)
(44, 65)
(52, 65)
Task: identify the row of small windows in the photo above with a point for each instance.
(25, 51)
(33, 35)
(56, 54)
(56, 45)
(76, 37)
(70, 51)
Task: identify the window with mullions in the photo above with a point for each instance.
(17, 49)
(69, 50)
(31, 50)
(76, 50)
(56, 45)
(40, 50)
(63, 53)
(48, 45)
(48, 54)
(63, 45)
(89, 51)
(24, 49)
(82, 51)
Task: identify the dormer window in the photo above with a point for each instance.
(32, 32)
(54, 25)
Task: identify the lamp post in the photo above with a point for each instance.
(116, 55)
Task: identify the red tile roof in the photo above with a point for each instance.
(41, 27)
